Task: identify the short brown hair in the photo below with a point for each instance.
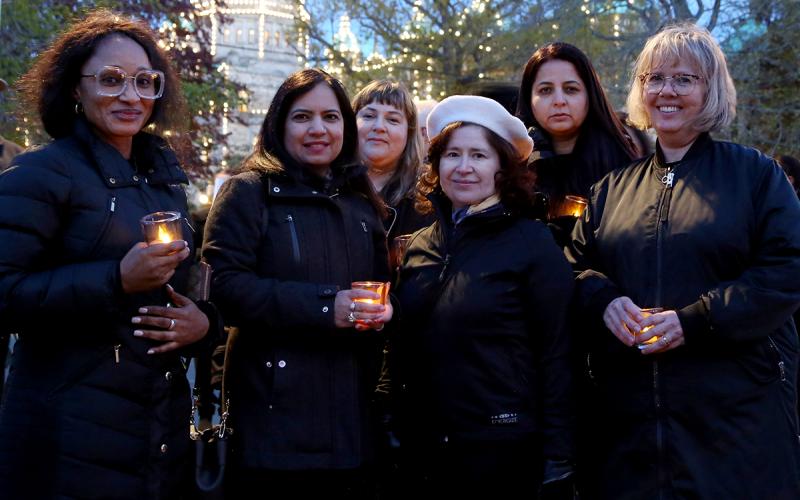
(50, 82)
(514, 182)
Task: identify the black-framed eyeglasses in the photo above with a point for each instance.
(682, 84)
(112, 82)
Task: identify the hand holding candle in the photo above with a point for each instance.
(364, 306)
(147, 267)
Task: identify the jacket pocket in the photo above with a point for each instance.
(102, 234)
(762, 361)
(294, 238)
(366, 231)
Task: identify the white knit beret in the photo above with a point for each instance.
(481, 111)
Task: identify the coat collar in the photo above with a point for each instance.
(444, 208)
(695, 150)
(280, 182)
(157, 162)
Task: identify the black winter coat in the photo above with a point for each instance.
(560, 175)
(404, 219)
(482, 349)
(716, 237)
(281, 248)
(87, 413)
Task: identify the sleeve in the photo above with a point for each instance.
(34, 200)
(593, 289)
(235, 227)
(549, 288)
(767, 293)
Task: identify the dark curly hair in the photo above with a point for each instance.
(514, 181)
(50, 83)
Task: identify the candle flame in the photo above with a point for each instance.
(163, 235)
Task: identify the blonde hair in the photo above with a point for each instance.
(686, 42)
(404, 178)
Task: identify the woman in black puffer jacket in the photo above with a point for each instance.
(96, 404)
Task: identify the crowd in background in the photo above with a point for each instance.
(512, 291)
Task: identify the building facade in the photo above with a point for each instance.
(257, 49)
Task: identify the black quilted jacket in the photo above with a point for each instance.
(87, 413)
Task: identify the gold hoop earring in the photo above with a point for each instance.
(78, 108)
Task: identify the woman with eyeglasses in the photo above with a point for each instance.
(695, 399)
(97, 403)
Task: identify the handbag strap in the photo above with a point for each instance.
(225, 399)
(224, 407)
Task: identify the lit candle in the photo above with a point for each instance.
(373, 286)
(572, 206)
(163, 234)
(161, 227)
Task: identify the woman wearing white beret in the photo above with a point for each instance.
(481, 376)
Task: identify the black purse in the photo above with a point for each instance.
(211, 442)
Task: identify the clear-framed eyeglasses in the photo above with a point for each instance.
(112, 82)
(682, 84)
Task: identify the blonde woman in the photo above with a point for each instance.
(709, 231)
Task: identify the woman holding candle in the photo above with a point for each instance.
(710, 232)
(576, 134)
(481, 370)
(286, 238)
(97, 402)
(390, 145)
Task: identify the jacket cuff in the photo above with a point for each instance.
(600, 300)
(557, 470)
(694, 320)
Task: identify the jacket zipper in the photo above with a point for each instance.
(295, 239)
(444, 268)
(667, 181)
(781, 364)
(589, 371)
(116, 353)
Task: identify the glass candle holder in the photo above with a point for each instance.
(161, 227)
(398, 250)
(647, 312)
(378, 287)
(571, 206)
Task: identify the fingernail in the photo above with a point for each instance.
(143, 310)
(136, 319)
(138, 333)
(170, 286)
(151, 351)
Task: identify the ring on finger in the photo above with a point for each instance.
(171, 324)
(353, 306)
(351, 317)
(665, 341)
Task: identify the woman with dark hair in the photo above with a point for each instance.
(577, 136)
(97, 402)
(480, 361)
(390, 145)
(286, 238)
